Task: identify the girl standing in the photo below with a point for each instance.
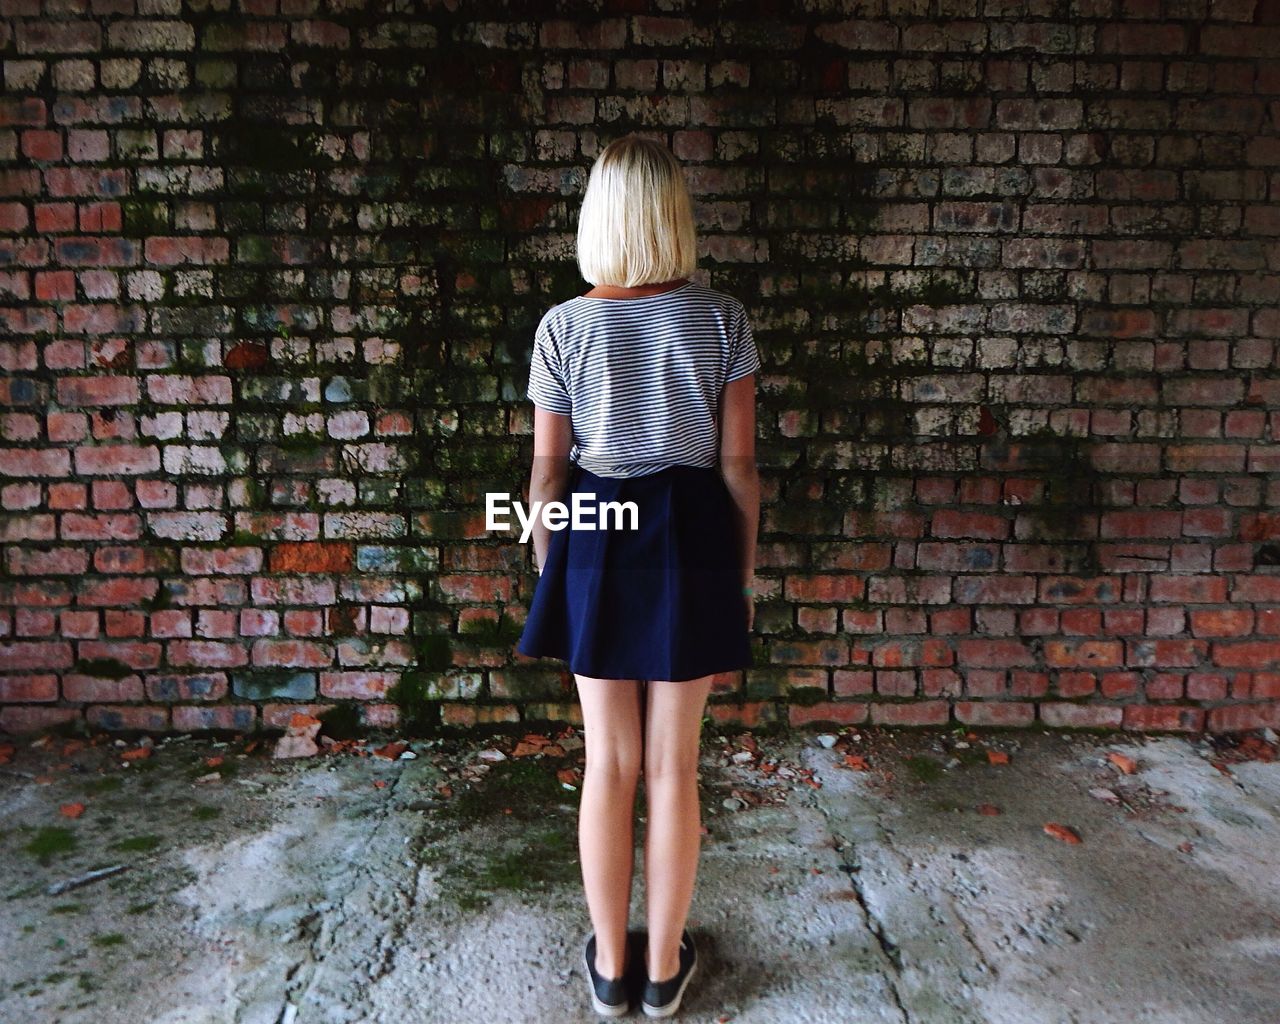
(644, 392)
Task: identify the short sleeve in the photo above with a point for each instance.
(744, 357)
(546, 380)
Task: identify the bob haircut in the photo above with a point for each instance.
(636, 223)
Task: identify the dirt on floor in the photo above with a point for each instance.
(943, 876)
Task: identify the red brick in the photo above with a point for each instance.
(925, 712)
(813, 588)
(1144, 38)
(128, 717)
(747, 715)
(30, 687)
(90, 689)
(198, 717)
(360, 685)
(1081, 716)
(97, 391)
(1243, 717)
(29, 462)
(1114, 685)
(477, 589)
(1164, 718)
(842, 712)
(29, 718)
(995, 713)
(1221, 621)
(1248, 654)
(23, 654)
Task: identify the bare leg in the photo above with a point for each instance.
(673, 730)
(606, 825)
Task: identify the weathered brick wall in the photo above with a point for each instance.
(269, 274)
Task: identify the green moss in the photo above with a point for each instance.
(939, 292)
(302, 444)
(532, 863)
(255, 249)
(143, 217)
(162, 599)
(1071, 496)
(342, 721)
(384, 384)
(520, 787)
(203, 812)
(420, 715)
(529, 843)
(970, 755)
(51, 841)
(946, 806)
(487, 463)
(544, 857)
(137, 843)
(195, 353)
(108, 939)
(806, 696)
(103, 668)
(215, 74)
(434, 652)
(499, 630)
(264, 146)
(860, 217)
(923, 767)
(857, 298)
(255, 494)
(234, 456)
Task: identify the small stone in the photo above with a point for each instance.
(295, 745)
(299, 739)
(827, 740)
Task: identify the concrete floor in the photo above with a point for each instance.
(445, 888)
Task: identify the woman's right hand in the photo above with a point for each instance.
(751, 609)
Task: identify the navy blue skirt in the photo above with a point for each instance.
(661, 601)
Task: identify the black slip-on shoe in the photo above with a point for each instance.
(609, 996)
(662, 998)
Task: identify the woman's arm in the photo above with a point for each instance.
(738, 464)
(552, 440)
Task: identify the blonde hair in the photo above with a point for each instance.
(636, 223)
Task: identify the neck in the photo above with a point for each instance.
(613, 291)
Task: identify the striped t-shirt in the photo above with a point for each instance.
(641, 378)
